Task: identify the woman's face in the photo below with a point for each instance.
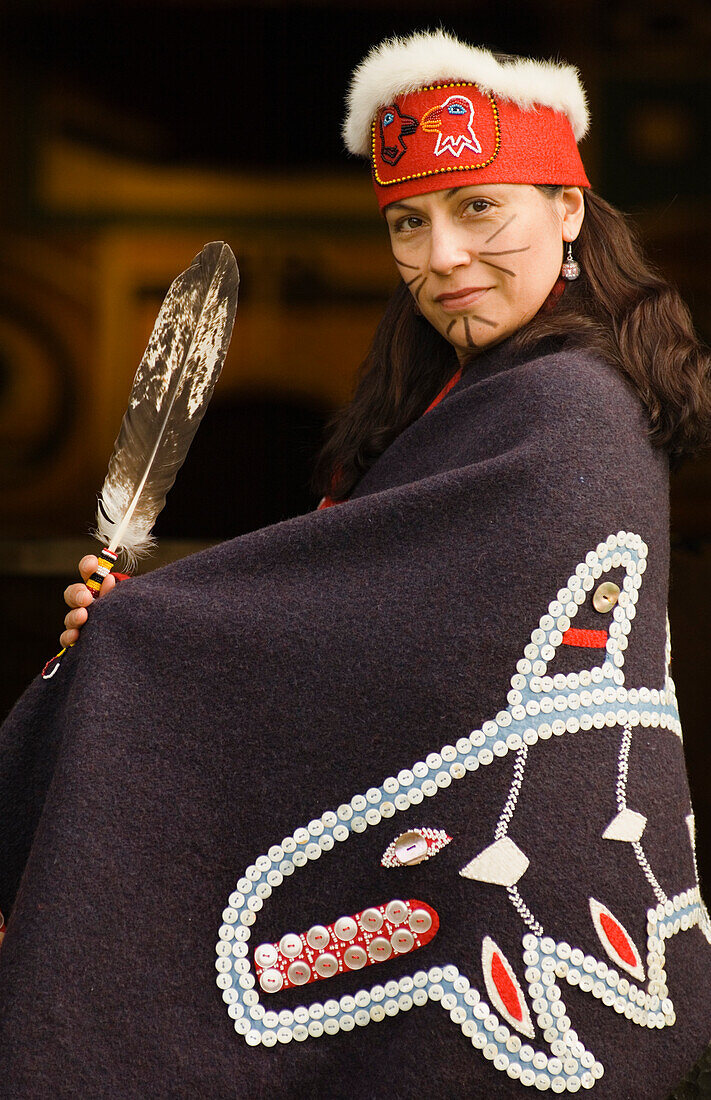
(480, 261)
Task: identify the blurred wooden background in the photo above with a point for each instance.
(132, 133)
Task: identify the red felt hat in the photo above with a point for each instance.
(433, 113)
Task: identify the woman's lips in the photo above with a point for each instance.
(462, 299)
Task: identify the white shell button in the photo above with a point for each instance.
(271, 981)
(355, 957)
(345, 928)
(410, 848)
(326, 965)
(420, 920)
(396, 911)
(318, 937)
(290, 945)
(299, 973)
(265, 954)
(371, 920)
(402, 940)
(379, 949)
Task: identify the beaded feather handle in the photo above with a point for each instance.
(107, 560)
(170, 392)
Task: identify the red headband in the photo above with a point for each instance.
(453, 135)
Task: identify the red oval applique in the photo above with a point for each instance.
(504, 991)
(618, 939)
(505, 987)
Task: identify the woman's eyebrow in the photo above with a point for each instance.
(480, 187)
(402, 206)
(406, 206)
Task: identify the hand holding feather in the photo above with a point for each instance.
(170, 392)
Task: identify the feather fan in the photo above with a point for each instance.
(171, 389)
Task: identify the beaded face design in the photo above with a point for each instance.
(512, 1009)
(394, 128)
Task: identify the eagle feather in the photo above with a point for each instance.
(170, 392)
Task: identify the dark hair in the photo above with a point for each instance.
(620, 306)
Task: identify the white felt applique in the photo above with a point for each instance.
(626, 825)
(502, 863)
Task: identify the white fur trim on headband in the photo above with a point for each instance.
(400, 65)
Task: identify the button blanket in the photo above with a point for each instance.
(385, 800)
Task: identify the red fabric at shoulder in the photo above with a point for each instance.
(445, 390)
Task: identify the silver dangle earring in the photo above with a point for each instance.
(571, 268)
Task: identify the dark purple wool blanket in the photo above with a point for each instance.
(385, 801)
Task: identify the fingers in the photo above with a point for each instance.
(88, 565)
(69, 637)
(79, 599)
(77, 595)
(107, 584)
(75, 619)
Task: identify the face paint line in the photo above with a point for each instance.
(413, 267)
(500, 229)
(506, 270)
(506, 251)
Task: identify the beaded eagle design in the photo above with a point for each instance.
(526, 1032)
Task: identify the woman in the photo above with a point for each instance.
(475, 641)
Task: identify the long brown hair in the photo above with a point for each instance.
(620, 306)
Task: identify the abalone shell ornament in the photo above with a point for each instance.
(571, 268)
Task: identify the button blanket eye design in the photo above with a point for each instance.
(414, 847)
(488, 992)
